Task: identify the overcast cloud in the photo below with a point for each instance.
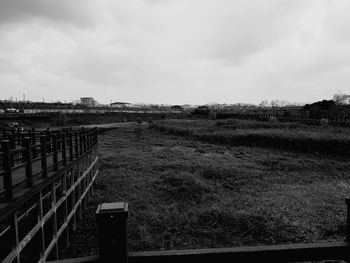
(174, 51)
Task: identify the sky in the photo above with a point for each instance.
(174, 51)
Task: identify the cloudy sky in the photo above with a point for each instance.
(174, 51)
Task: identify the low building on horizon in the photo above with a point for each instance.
(88, 101)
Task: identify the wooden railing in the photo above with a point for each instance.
(111, 219)
(47, 178)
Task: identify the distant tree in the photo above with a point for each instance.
(318, 109)
(339, 98)
(264, 103)
(274, 103)
(176, 107)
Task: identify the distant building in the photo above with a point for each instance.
(88, 101)
(120, 104)
(188, 106)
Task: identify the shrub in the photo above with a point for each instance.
(212, 115)
(273, 119)
(324, 122)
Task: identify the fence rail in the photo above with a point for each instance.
(112, 224)
(47, 178)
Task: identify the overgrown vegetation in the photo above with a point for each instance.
(184, 193)
(286, 136)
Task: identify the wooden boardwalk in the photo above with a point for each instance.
(45, 187)
(18, 175)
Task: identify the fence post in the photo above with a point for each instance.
(6, 162)
(81, 142)
(347, 201)
(70, 144)
(27, 156)
(85, 140)
(91, 138)
(111, 219)
(48, 140)
(64, 149)
(76, 145)
(96, 135)
(54, 149)
(13, 133)
(12, 146)
(35, 154)
(59, 140)
(4, 135)
(43, 156)
(19, 136)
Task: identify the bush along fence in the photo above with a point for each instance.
(111, 221)
(47, 177)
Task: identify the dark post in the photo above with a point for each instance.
(19, 135)
(43, 156)
(70, 145)
(64, 149)
(54, 149)
(85, 140)
(111, 221)
(76, 145)
(13, 133)
(48, 140)
(27, 156)
(21, 139)
(6, 163)
(81, 142)
(93, 136)
(4, 137)
(96, 135)
(35, 154)
(59, 140)
(88, 139)
(12, 146)
(347, 201)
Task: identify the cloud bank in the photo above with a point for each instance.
(174, 51)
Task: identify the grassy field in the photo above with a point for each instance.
(285, 136)
(185, 193)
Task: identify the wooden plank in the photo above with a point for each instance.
(277, 253)
(90, 259)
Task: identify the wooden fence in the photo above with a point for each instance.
(47, 178)
(112, 225)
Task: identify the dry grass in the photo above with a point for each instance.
(189, 194)
(285, 136)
